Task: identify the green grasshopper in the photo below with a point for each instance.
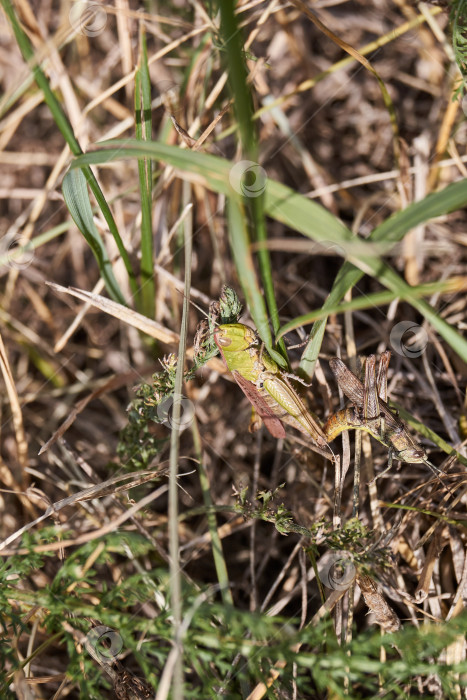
(370, 412)
(264, 384)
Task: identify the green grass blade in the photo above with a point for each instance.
(452, 197)
(244, 261)
(76, 196)
(108, 216)
(27, 51)
(211, 519)
(174, 549)
(143, 119)
(214, 170)
(298, 212)
(387, 276)
(294, 211)
(16, 254)
(265, 268)
(372, 300)
(234, 52)
(435, 204)
(246, 218)
(231, 35)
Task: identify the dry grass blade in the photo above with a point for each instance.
(89, 536)
(361, 59)
(132, 318)
(124, 314)
(110, 385)
(21, 443)
(98, 491)
(437, 544)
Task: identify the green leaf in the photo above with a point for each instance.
(76, 196)
(143, 132)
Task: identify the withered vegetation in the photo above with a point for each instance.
(311, 570)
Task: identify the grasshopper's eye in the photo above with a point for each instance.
(225, 342)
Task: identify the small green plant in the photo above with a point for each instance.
(138, 445)
(81, 610)
(458, 16)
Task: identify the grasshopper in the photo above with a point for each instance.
(370, 412)
(264, 384)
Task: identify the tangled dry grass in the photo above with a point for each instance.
(70, 368)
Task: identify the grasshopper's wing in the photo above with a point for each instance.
(382, 380)
(371, 408)
(391, 422)
(351, 386)
(272, 423)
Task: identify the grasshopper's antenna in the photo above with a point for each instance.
(437, 472)
(433, 467)
(190, 301)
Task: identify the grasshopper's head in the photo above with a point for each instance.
(412, 453)
(234, 337)
(404, 446)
